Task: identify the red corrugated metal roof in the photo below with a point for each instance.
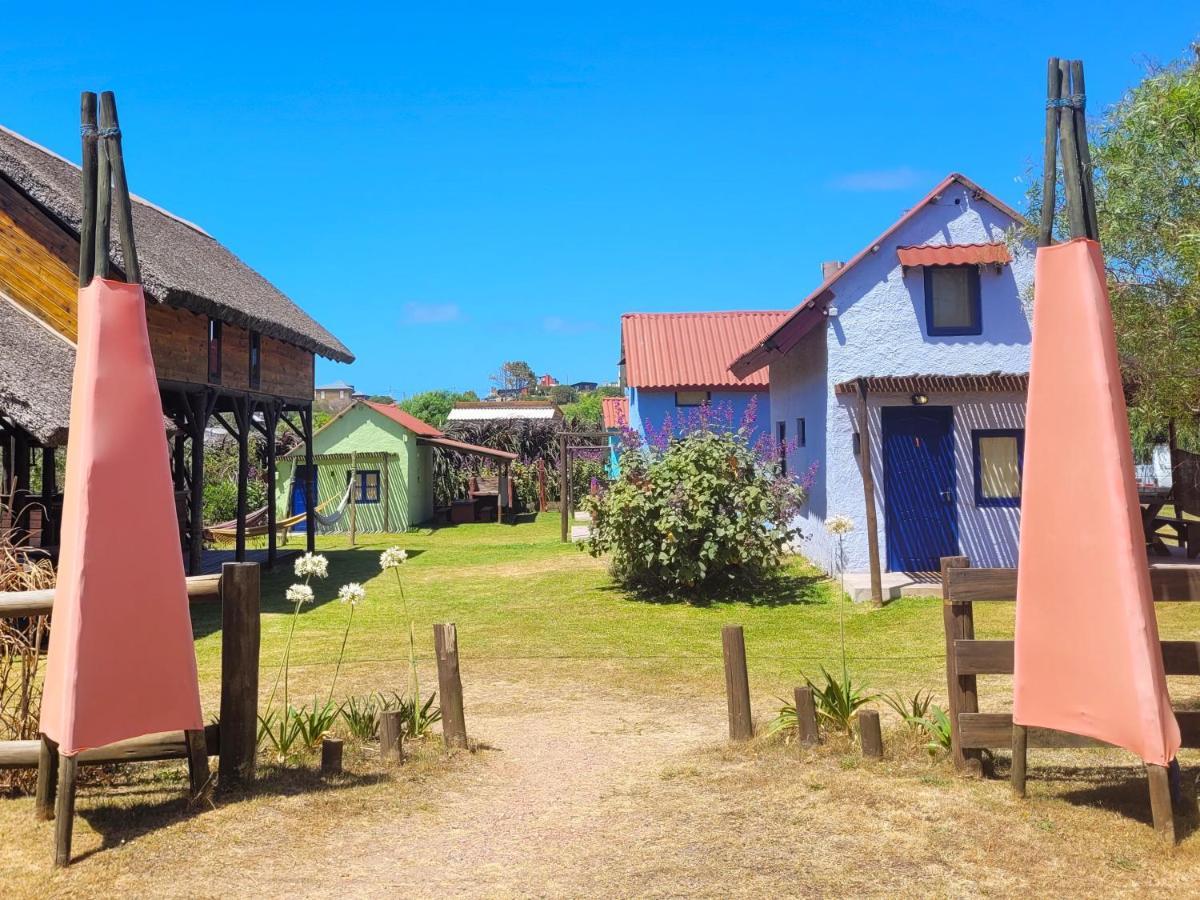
(615, 411)
(461, 447)
(411, 422)
(692, 350)
(755, 355)
(955, 255)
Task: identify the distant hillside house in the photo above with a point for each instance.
(228, 345)
(334, 397)
(673, 363)
(377, 455)
(585, 386)
(925, 336)
(491, 410)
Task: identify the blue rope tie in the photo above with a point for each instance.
(109, 132)
(1075, 101)
(87, 130)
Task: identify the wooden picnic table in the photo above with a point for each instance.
(1153, 499)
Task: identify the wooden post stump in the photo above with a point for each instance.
(1020, 755)
(391, 730)
(1160, 802)
(64, 811)
(870, 734)
(959, 622)
(197, 757)
(454, 725)
(47, 779)
(331, 756)
(240, 630)
(737, 683)
(806, 718)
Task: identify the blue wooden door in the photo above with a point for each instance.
(918, 487)
(300, 496)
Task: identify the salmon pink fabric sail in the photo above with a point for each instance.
(121, 661)
(1087, 652)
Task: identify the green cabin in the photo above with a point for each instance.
(374, 461)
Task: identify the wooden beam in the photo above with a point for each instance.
(243, 411)
(100, 268)
(87, 229)
(868, 479)
(959, 623)
(110, 131)
(1169, 583)
(240, 648)
(270, 425)
(353, 496)
(1085, 152)
(1069, 150)
(15, 604)
(1049, 161)
(64, 809)
(564, 488)
(310, 482)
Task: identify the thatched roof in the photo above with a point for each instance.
(35, 375)
(181, 264)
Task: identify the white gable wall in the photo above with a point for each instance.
(880, 330)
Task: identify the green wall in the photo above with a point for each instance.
(409, 471)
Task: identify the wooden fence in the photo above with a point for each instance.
(234, 737)
(967, 657)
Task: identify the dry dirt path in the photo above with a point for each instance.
(555, 788)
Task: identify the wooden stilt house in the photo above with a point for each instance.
(228, 346)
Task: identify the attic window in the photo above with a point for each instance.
(255, 360)
(214, 351)
(952, 300)
(692, 398)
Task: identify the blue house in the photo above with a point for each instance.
(674, 363)
(903, 375)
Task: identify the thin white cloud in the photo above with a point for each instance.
(897, 179)
(561, 325)
(431, 313)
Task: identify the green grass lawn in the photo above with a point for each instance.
(519, 596)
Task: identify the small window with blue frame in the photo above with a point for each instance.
(998, 456)
(367, 489)
(952, 301)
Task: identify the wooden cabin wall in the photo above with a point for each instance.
(38, 261)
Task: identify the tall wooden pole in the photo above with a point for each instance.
(353, 495)
(310, 482)
(110, 131)
(868, 479)
(1085, 152)
(1069, 148)
(242, 411)
(564, 488)
(87, 229)
(103, 209)
(270, 425)
(1049, 156)
(197, 420)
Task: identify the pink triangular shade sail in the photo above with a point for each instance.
(1087, 654)
(121, 661)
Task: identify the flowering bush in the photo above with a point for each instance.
(696, 509)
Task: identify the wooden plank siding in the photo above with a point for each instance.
(38, 260)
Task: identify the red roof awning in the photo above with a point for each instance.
(461, 447)
(995, 254)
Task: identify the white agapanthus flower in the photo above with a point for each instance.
(839, 524)
(300, 593)
(312, 565)
(352, 593)
(391, 558)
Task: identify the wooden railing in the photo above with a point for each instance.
(234, 738)
(967, 657)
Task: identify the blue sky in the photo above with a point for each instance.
(446, 188)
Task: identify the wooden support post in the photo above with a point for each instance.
(387, 491)
(868, 480)
(806, 718)
(198, 409)
(87, 230)
(243, 410)
(737, 683)
(870, 734)
(49, 490)
(197, 757)
(564, 488)
(501, 483)
(47, 779)
(100, 268)
(270, 424)
(1085, 153)
(454, 725)
(1160, 802)
(541, 472)
(110, 132)
(64, 809)
(22, 507)
(1050, 147)
(391, 748)
(353, 495)
(959, 622)
(240, 599)
(1020, 756)
(310, 482)
(1069, 151)
(331, 756)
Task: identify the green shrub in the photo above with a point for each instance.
(694, 514)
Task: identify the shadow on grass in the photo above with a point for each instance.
(782, 589)
(1120, 789)
(119, 823)
(344, 566)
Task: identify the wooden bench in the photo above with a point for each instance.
(1187, 532)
